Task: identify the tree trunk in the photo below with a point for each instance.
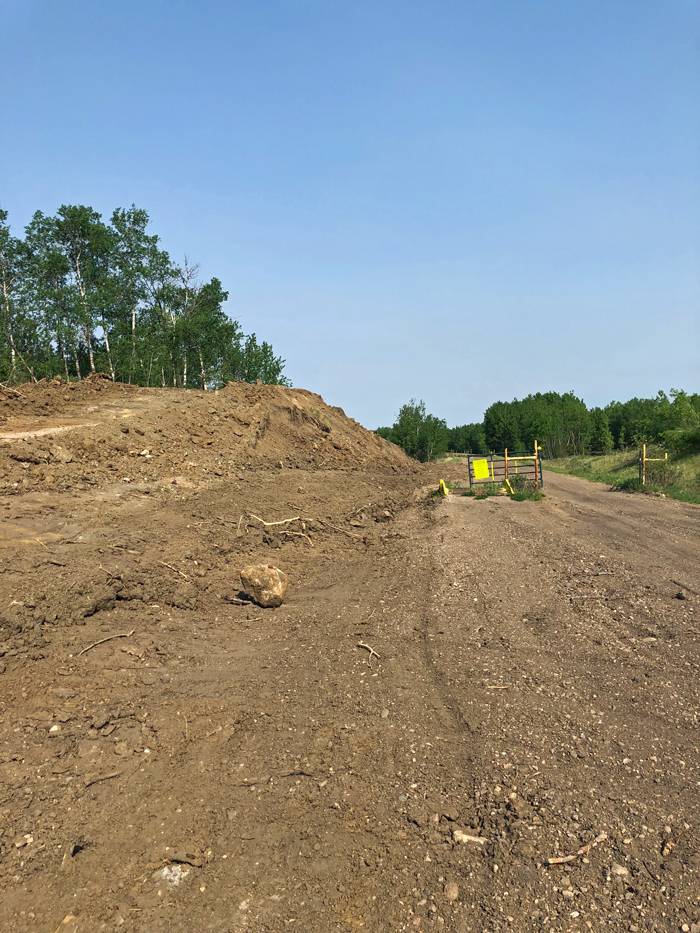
(109, 352)
(133, 342)
(201, 369)
(86, 325)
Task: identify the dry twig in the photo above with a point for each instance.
(285, 521)
(365, 621)
(103, 777)
(298, 534)
(601, 837)
(170, 567)
(109, 638)
(348, 533)
(371, 650)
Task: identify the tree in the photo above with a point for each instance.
(601, 439)
(432, 438)
(80, 295)
(16, 328)
(422, 436)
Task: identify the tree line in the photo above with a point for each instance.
(561, 423)
(80, 295)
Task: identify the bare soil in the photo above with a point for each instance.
(523, 673)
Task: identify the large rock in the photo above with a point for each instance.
(265, 584)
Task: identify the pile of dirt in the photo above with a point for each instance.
(94, 433)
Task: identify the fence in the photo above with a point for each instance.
(643, 460)
(499, 468)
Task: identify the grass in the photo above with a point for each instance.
(524, 492)
(621, 471)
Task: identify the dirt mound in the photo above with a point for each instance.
(95, 433)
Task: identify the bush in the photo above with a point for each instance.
(630, 485)
(534, 495)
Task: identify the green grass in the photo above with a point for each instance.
(621, 471)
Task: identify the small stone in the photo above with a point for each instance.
(61, 454)
(459, 836)
(266, 585)
(451, 891)
(619, 870)
(385, 713)
(574, 914)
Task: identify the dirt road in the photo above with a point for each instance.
(532, 683)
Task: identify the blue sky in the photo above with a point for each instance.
(455, 201)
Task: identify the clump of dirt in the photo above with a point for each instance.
(93, 433)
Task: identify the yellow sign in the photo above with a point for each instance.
(481, 469)
(444, 491)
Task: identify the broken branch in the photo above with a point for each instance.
(285, 521)
(298, 534)
(170, 567)
(371, 650)
(348, 533)
(601, 837)
(104, 777)
(109, 638)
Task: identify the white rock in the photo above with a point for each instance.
(459, 836)
(265, 584)
(451, 891)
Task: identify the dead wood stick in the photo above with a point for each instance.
(285, 521)
(599, 597)
(103, 777)
(497, 687)
(601, 837)
(348, 533)
(685, 587)
(364, 621)
(170, 567)
(109, 638)
(371, 650)
(298, 534)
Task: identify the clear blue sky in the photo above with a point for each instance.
(456, 200)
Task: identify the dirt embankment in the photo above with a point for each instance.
(88, 434)
(518, 676)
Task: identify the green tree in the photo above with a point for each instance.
(601, 439)
(421, 435)
(79, 295)
(17, 329)
(432, 438)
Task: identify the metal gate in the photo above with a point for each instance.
(497, 468)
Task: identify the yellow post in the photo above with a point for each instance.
(537, 472)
